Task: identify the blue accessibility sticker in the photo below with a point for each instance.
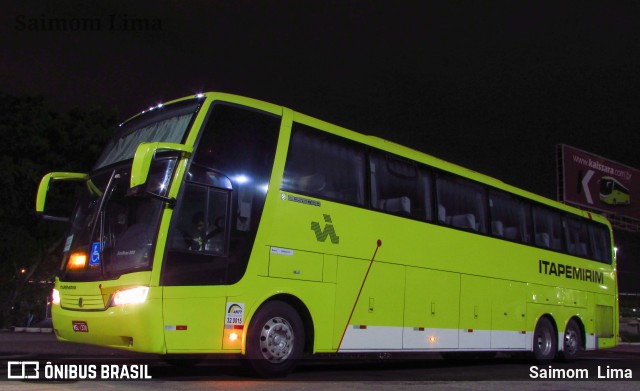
(95, 254)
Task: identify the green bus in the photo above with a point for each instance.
(219, 224)
(613, 192)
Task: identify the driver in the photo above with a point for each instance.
(203, 240)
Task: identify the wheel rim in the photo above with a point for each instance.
(276, 339)
(544, 342)
(571, 343)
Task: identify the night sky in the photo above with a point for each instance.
(492, 86)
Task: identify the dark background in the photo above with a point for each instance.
(493, 86)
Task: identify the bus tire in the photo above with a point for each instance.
(545, 343)
(571, 342)
(275, 340)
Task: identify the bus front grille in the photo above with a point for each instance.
(82, 302)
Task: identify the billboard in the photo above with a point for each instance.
(593, 182)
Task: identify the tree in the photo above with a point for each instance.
(36, 141)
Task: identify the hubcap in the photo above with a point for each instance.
(571, 343)
(276, 339)
(544, 342)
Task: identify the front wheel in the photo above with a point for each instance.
(275, 340)
(545, 343)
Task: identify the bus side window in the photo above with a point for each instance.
(193, 203)
(576, 236)
(509, 217)
(399, 186)
(325, 166)
(547, 228)
(600, 243)
(227, 181)
(202, 220)
(461, 203)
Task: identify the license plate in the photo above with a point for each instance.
(80, 326)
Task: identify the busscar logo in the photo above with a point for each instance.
(321, 234)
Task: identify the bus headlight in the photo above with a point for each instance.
(130, 296)
(55, 296)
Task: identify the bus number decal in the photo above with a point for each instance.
(234, 314)
(281, 251)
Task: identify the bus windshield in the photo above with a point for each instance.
(166, 124)
(606, 187)
(112, 231)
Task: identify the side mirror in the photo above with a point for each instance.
(43, 188)
(142, 161)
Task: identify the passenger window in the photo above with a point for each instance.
(577, 237)
(461, 204)
(325, 166)
(600, 243)
(547, 229)
(510, 217)
(399, 186)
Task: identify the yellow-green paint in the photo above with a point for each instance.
(54, 176)
(144, 155)
(423, 275)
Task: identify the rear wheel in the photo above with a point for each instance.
(545, 343)
(572, 341)
(275, 340)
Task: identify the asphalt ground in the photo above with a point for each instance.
(321, 372)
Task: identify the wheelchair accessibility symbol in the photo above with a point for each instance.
(95, 254)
